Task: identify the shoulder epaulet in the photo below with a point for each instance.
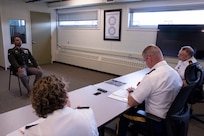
(150, 71)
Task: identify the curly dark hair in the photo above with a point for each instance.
(48, 94)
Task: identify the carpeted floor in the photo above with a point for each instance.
(77, 78)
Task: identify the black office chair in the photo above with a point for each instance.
(194, 75)
(177, 118)
(12, 72)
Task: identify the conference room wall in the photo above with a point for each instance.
(86, 47)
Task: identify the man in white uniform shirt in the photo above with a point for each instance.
(158, 89)
(186, 57)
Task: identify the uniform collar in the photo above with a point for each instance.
(17, 47)
(187, 61)
(161, 63)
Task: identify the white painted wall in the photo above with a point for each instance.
(132, 41)
(115, 57)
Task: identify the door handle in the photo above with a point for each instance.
(33, 42)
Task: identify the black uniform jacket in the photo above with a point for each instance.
(21, 56)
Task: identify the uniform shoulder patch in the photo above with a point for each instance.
(150, 71)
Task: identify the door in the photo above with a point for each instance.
(41, 36)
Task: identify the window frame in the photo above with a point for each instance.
(79, 26)
(170, 8)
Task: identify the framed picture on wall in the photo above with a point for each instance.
(112, 24)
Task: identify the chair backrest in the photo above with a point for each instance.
(194, 75)
(178, 116)
(176, 122)
(181, 100)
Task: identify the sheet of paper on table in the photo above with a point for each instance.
(120, 95)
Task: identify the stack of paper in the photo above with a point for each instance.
(121, 95)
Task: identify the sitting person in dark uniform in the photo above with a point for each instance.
(23, 63)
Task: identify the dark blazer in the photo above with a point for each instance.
(21, 56)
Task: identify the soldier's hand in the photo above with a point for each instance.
(20, 71)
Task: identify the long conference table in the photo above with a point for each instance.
(105, 109)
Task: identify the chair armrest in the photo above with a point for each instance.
(149, 116)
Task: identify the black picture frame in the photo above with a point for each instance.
(112, 24)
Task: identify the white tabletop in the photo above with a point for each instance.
(15, 119)
(105, 109)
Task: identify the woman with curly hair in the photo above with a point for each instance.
(50, 101)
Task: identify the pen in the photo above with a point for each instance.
(102, 90)
(83, 107)
(27, 127)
